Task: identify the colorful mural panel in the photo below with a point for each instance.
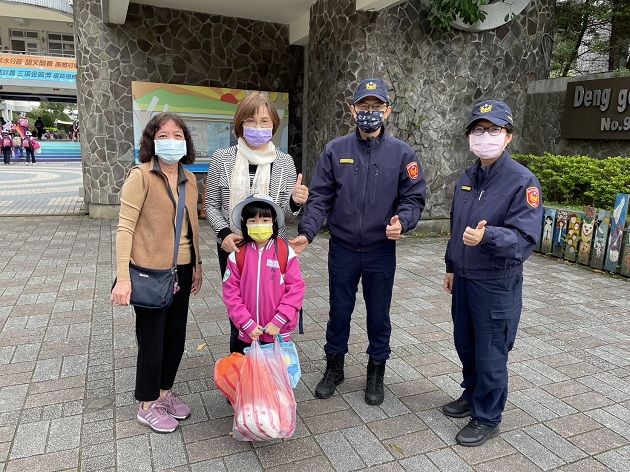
(616, 232)
(207, 111)
(586, 235)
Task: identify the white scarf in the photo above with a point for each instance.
(239, 182)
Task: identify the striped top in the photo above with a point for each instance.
(217, 203)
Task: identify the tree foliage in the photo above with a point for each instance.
(49, 112)
(590, 36)
(444, 12)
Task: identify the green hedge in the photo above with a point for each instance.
(579, 180)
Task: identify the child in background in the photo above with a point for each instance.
(260, 300)
(7, 147)
(27, 144)
(18, 151)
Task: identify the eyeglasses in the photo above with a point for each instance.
(491, 130)
(374, 107)
(264, 123)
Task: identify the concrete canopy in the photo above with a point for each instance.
(295, 13)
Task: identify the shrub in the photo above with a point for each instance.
(579, 180)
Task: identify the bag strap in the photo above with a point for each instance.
(240, 258)
(180, 218)
(282, 253)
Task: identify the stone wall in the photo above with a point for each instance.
(436, 77)
(168, 46)
(544, 112)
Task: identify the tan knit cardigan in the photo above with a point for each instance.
(146, 226)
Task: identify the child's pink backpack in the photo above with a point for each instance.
(6, 142)
(26, 143)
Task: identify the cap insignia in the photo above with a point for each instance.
(485, 108)
(370, 86)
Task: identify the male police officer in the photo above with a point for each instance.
(495, 225)
(370, 187)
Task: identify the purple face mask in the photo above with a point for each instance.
(257, 137)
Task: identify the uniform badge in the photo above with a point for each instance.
(413, 170)
(485, 108)
(227, 274)
(466, 188)
(533, 197)
(370, 86)
(346, 161)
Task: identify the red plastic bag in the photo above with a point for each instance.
(227, 372)
(265, 406)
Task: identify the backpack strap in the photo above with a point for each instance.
(282, 253)
(240, 258)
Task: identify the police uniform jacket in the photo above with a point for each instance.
(506, 195)
(359, 185)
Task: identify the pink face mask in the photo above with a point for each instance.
(486, 146)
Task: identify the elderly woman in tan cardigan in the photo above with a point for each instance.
(146, 237)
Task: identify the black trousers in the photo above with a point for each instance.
(236, 345)
(161, 334)
(6, 152)
(30, 154)
(375, 269)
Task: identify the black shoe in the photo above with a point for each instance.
(459, 408)
(476, 433)
(374, 391)
(333, 376)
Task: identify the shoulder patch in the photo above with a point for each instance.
(466, 188)
(227, 274)
(413, 170)
(346, 161)
(533, 196)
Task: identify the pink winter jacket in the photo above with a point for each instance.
(261, 294)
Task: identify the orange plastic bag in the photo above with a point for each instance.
(265, 407)
(227, 372)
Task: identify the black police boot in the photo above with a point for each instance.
(476, 433)
(333, 376)
(374, 392)
(459, 408)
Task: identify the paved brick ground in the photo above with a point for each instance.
(41, 189)
(67, 370)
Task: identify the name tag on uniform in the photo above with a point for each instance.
(346, 161)
(273, 264)
(466, 188)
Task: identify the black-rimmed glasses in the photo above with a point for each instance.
(493, 130)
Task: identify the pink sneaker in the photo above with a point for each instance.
(157, 418)
(175, 407)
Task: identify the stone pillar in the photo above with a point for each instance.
(436, 77)
(167, 46)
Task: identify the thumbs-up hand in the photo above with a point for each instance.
(472, 237)
(300, 192)
(394, 229)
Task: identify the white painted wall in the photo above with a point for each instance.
(41, 26)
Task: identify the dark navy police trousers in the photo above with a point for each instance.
(486, 314)
(376, 270)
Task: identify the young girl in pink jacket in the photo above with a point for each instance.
(261, 300)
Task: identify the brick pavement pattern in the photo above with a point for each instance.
(67, 360)
(41, 189)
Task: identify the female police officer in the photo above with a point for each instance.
(495, 225)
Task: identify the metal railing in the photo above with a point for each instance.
(64, 6)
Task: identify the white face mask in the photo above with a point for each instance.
(487, 146)
(170, 151)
